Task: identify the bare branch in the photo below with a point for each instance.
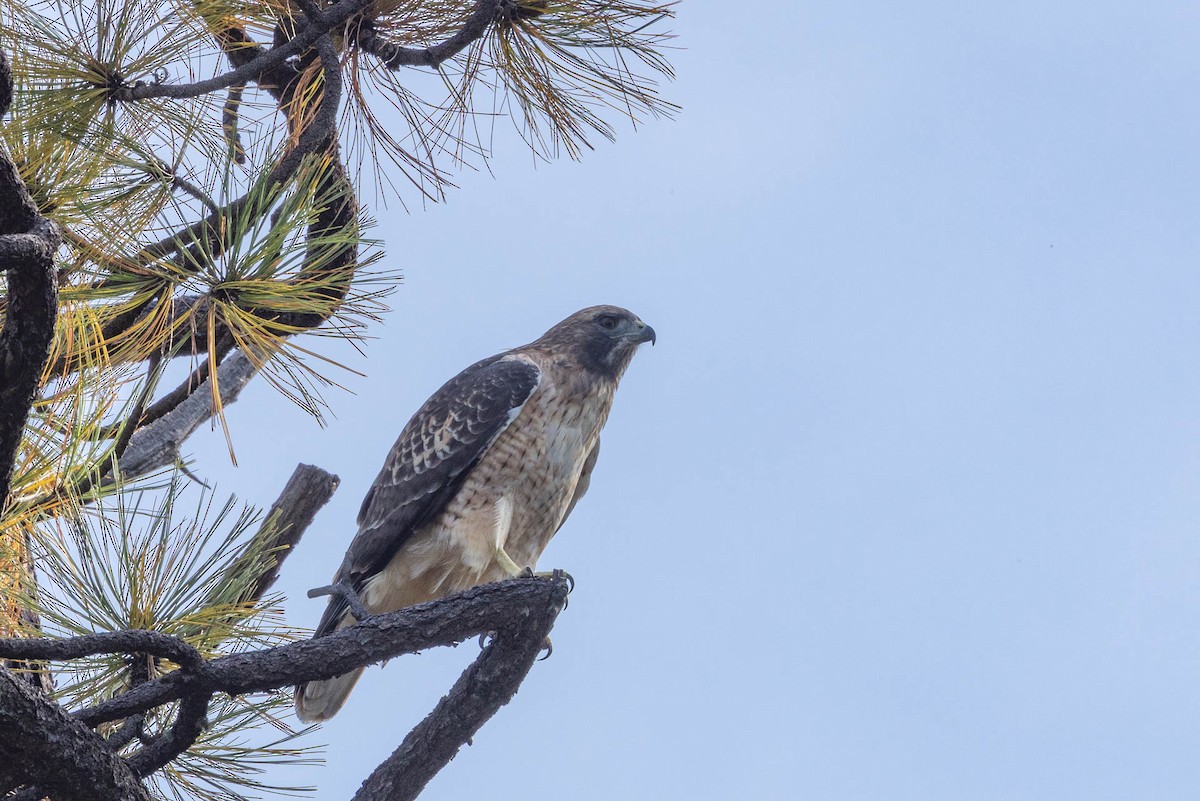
(260, 63)
(157, 444)
(131, 641)
(189, 724)
(521, 612)
(309, 489)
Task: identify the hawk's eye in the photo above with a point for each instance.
(607, 322)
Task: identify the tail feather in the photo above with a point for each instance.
(320, 700)
(317, 701)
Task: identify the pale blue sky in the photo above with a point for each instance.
(905, 504)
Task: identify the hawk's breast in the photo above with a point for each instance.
(533, 467)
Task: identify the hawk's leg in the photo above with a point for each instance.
(347, 592)
(509, 566)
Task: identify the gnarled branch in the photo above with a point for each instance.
(488, 684)
(519, 614)
(446, 621)
(41, 744)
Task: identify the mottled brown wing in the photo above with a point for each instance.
(430, 461)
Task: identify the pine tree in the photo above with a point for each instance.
(179, 211)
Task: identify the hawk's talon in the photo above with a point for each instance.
(549, 646)
(555, 574)
(344, 590)
(570, 581)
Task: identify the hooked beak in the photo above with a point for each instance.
(642, 333)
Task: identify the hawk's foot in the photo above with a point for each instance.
(554, 574)
(346, 592)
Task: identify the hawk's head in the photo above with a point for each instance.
(602, 338)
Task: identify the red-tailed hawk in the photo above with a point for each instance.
(482, 476)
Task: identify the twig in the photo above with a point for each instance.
(344, 590)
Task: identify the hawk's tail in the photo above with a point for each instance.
(320, 700)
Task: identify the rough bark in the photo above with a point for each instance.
(517, 613)
(447, 621)
(309, 489)
(157, 444)
(40, 743)
(27, 246)
(488, 684)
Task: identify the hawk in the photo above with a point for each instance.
(482, 477)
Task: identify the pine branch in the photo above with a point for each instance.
(254, 63)
(519, 612)
(395, 56)
(28, 243)
(169, 402)
(199, 243)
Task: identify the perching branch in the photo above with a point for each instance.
(305, 493)
(450, 620)
(519, 612)
(488, 684)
